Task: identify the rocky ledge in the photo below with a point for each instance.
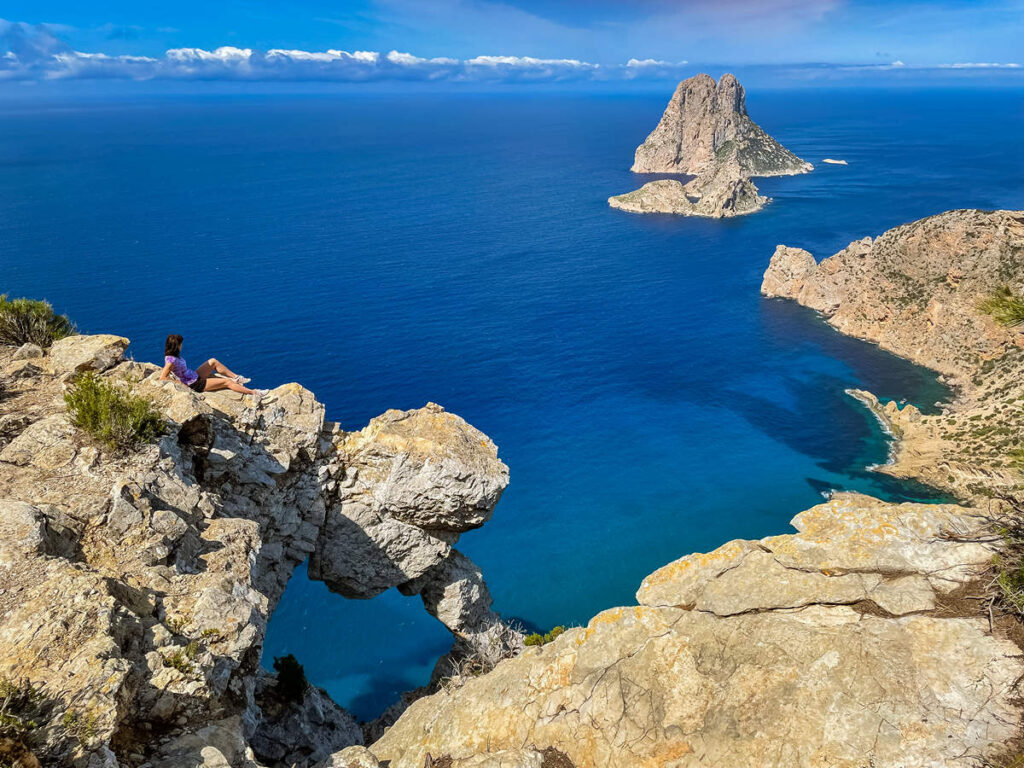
(706, 132)
(846, 644)
(135, 589)
(915, 291)
(722, 194)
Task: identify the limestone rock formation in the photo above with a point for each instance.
(914, 291)
(831, 646)
(705, 132)
(407, 486)
(135, 588)
(720, 194)
(706, 124)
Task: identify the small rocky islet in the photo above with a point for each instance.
(706, 132)
(135, 588)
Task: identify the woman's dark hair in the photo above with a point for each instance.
(172, 347)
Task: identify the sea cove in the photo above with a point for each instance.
(459, 249)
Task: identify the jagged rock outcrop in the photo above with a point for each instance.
(722, 193)
(135, 589)
(914, 291)
(706, 124)
(407, 486)
(831, 646)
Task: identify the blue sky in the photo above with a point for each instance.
(514, 40)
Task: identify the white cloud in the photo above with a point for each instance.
(34, 54)
(653, 69)
(981, 65)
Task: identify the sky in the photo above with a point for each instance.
(621, 42)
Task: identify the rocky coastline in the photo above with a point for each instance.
(135, 590)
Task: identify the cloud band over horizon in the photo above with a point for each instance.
(35, 53)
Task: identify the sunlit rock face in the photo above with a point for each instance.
(706, 123)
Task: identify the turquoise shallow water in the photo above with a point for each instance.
(389, 251)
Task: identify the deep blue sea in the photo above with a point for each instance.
(387, 251)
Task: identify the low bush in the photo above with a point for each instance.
(1006, 307)
(291, 678)
(538, 639)
(25, 321)
(111, 414)
(24, 711)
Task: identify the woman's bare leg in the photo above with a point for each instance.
(212, 385)
(212, 366)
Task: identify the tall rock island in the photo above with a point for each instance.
(706, 124)
(706, 132)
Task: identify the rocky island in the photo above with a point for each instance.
(706, 132)
(135, 589)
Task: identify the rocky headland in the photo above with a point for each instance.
(135, 590)
(915, 291)
(706, 132)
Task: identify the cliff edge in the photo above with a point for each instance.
(135, 588)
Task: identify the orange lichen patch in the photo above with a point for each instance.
(715, 559)
(556, 675)
(668, 573)
(668, 752)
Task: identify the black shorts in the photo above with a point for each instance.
(198, 385)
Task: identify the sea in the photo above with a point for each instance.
(393, 249)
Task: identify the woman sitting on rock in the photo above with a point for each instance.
(209, 377)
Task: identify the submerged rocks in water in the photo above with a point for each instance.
(706, 124)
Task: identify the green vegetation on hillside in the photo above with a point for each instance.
(1005, 306)
(111, 414)
(28, 321)
(536, 638)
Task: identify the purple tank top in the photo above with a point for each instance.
(178, 367)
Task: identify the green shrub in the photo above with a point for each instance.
(81, 725)
(178, 661)
(111, 413)
(24, 321)
(1004, 306)
(23, 710)
(291, 678)
(538, 639)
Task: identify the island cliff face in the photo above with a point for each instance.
(914, 291)
(705, 124)
(706, 132)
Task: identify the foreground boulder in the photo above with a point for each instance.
(831, 646)
(79, 354)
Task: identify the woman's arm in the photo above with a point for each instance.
(164, 374)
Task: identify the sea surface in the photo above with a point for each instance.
(388, 251)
